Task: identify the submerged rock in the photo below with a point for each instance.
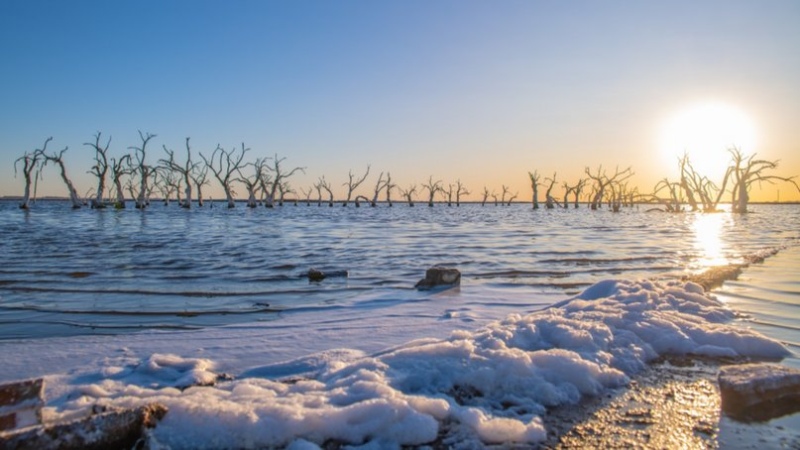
(438, 276)
(318, 275)
(759, 392)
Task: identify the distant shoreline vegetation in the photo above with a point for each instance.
(267, 182)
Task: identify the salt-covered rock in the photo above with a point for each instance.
(115, 429)
(759, 391)
(439, 276)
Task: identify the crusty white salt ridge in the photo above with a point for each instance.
(488, 385)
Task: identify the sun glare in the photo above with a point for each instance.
(705, 132)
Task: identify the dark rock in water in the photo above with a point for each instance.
(315, 275)
(318, 275)
(438, 276)
(759, 392)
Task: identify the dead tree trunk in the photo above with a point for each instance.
(512, 198)
(577, 189)
(324, 184)
(199, 176)
(255, 183)
(58, 159)
(747, 171)
(279, 176)
(118, 170)
(143, 170)
(223, 165)
(389, 187)
(409, 194)
(602, 182)
(184, 170)
(284, 189)
(353, 184)
(460, 190)
(379, 186)
(31, 169)
(433, 189)
(550, 202)
(100, 169)
(307, 195)
(503, 195)
(485, 196)
(534, 176)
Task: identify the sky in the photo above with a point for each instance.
(481, 92)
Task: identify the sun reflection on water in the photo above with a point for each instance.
(708, 230)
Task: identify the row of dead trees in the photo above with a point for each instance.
(266, 181)
(699, 193)
(133, 175)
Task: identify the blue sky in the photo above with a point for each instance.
(477, 91)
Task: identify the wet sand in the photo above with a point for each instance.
(672, 404)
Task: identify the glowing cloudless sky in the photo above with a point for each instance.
(471, 90)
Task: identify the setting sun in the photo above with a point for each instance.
(705, 131)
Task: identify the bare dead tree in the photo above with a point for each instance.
(460, 190)
(748, 170)
(352, 184)
(511, 198)
(503, 195)
(534, 176)
(283, 189)
(278, 175)
(223, 164)
(576, 190)
(99, 169)
(142, 169)
(433, 188)
(199, 175)
(674, 201)
(389, 186)
(550, 202)
(486, 195)
(409, 194)
(119, 169)
(185, 170)
(324, 184)
(58, 158)
(358, 200)
(380, 185)
(31, 170)
(494, 197)
(307, 194)
(602, 182)
(448, 194)
(166, 182)
(318, 188)
(253, 183)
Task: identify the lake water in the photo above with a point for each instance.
(118, 308)
(87, 272)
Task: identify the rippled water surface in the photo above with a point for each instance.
(65, 272)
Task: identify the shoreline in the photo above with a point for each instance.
(673, 403)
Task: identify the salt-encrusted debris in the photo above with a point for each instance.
(438, 276)
(759, 391)
(114, 429)
(21, 404)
